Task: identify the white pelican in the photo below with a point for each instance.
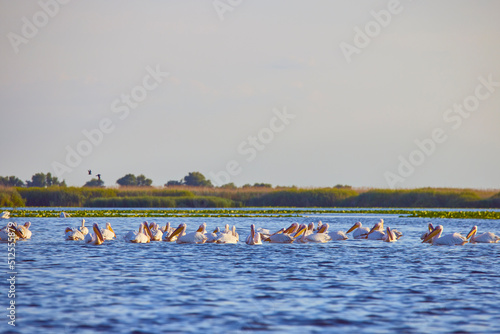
(319, 226)
(390, 236)
(24, 230)
(95, 238)
(10, 233)
(108, 232)
(156, 232)
(167, 229)
(197, 237)
(178, 232)
(447, 240)
(486, 237)
(64, 215)
(138, 237)
(83, 229)
(212, 237)
(377, 231)
(338, 235)
(5, 215)
(254, 237)
(264, 233)
(228, 236)
(425, 234)
(359, 231)
(292, 228)
(321, 236)
(310, 230)
(73, 234)
(281, 237)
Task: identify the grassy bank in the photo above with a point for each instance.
(199, 197)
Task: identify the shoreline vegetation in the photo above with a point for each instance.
(213, 197)
(253, 213)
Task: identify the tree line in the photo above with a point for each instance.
(192, 179)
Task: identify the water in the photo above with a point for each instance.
(353, 286)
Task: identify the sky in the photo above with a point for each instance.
(384, 94)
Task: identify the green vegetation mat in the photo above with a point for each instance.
(231, 213)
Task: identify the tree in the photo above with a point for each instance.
(196, 179)
(142, 181)
(94, 183)
(229, 186)
(44, 180)
(172, 183)
(130, 180)
(11, 181)
(263, 185)
(127, 181)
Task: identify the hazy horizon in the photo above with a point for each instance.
(287, 93)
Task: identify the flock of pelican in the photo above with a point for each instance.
(295, 233)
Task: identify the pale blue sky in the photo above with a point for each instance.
(353, 120)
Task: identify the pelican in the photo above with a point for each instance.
(64, 215)
(309, 231)
(321, 236)
(486, 237)
(236, 233)
(197, 237)
(5, 215)
(264, 233)
(377, 231)
(167, 229)
(95, 238)
(228, 236)
(425, 234)
(390, 236)
(139, 237)
(171, 237)
(447, 240)
(24, 230)
(359, 231)
(108, 232)
(338, 235)
(254, 237)
(156, 233)
(212, 237)
(73, 234)
(319, 226)
(281, 237)
(83, 229)
(10, 233)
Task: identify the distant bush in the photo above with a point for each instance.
(328, 197)
(9, 197)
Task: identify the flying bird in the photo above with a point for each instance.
(99, 177)
(90, 172)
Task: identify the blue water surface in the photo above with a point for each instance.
(352, 286)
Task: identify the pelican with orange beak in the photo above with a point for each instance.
(197, 237)
(95, 238)
(108, 232)
(486, 237)
(454, 239)
(360, 232)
